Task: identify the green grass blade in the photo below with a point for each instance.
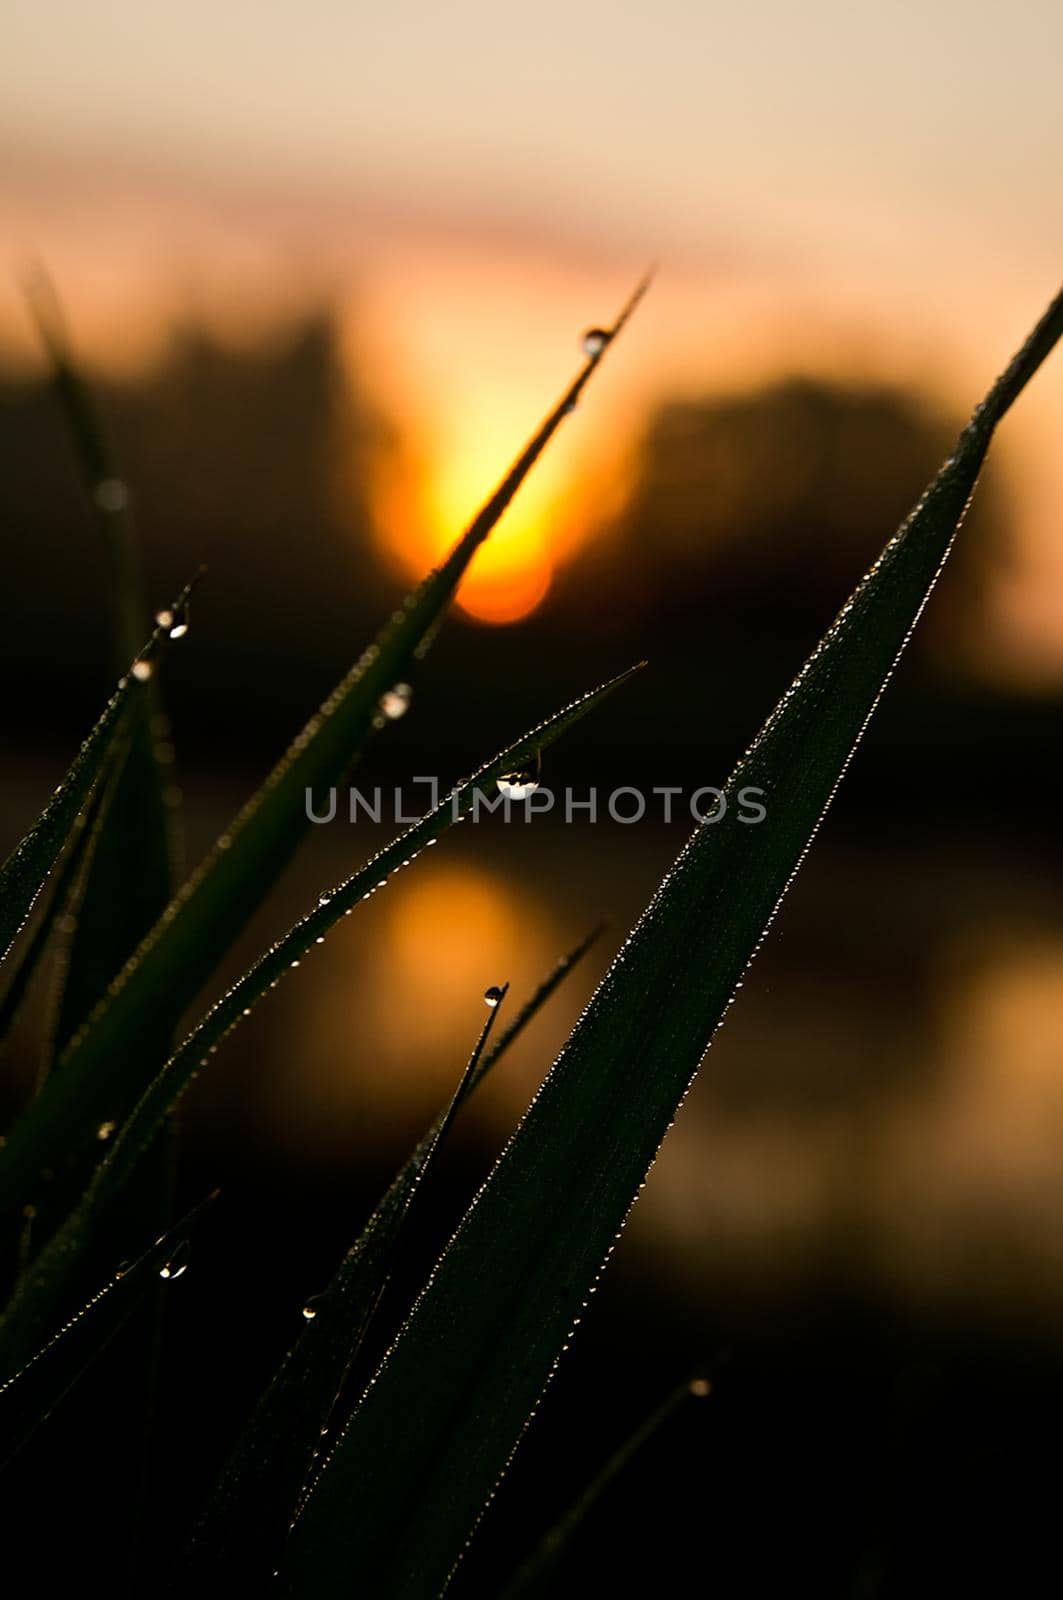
(130, 871)
(531, 1007)
(128, 886)
(30, 1396)
(185, 946)
(33, 1307)
(131, 878)
(107, 490)
(242, 1535)
(25, 872)
(403, 1488)
(538, 1575)
(85, 835)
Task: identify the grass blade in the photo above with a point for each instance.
(33, 1307)
(128, 881)
(27, 869)
(85, 834)
(131, 878)
(30, 1396)
(104, 484)
(242, 1535)
(115, 1046)
(531, 1008)
(258, 1492)
(538, 1575)
(400, 1495)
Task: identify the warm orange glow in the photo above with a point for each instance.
(465, 335)
(449, 931)
(399, 1002)
(471, 909)
(496, 596)
(424, 505)
(511, 574)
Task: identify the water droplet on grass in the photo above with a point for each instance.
(517, 785)
(177, 1265)
(493, 995)
(173, 623)
(142, 671)
(105, 1130)
(310, 1310)
(594, 341)
(395, 702)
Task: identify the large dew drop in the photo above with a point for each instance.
(493, 995)
(517, 785)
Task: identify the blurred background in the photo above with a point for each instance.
(328, 266)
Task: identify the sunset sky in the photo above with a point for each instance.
(841, 188)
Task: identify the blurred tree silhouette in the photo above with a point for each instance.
(758, 511)
(248, 460)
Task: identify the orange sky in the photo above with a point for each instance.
(830, 188)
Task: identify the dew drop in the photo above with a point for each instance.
(517, 785)
(310, 1310)
(493, 995)
(700, 1388)
(142, 670)
(105, 1130)
(395, 702)
(177, 1265)
(594, 341)
(173, 623)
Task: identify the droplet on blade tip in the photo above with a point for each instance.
(177, 1265)
(493, 995)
